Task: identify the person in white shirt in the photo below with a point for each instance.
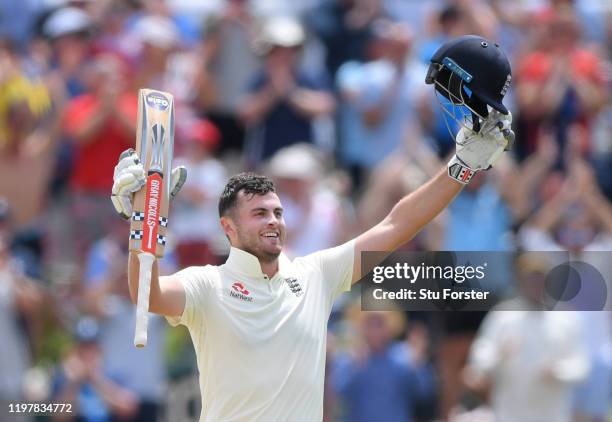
(526, 357)
(258, 322)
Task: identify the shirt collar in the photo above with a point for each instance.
(248, 264)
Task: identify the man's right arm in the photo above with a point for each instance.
(167, 296)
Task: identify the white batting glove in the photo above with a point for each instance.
(130, 177)
(479, 151)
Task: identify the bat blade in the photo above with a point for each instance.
(149, 221)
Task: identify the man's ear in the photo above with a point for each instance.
(229, 227)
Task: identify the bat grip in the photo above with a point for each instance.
(146, 260)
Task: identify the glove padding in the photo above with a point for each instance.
(479, 151)
(130, 177)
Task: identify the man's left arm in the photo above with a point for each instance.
(406, 218)
(475, 152)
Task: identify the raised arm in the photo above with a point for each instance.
(407, 218)
(475, 152)
(167, 295)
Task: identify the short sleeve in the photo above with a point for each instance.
(336, 266)
(197, 282)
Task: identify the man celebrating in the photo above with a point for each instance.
(258, 322)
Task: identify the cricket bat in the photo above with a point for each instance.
(149, 220)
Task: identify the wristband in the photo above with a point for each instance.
(459, 171)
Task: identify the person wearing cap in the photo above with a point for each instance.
(313, 212)
(282, 101)
(159, 39)
(69, 30)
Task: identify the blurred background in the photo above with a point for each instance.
(327, 97)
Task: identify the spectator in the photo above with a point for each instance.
(559, 84)
(494, 220)
(141, 372)
(601, 153)
(81, 381)
(101, 124)
(382, 379)
(313, 210)
(115, 36)
(24, 101)
(69, 29)
(398, 175)
(479, 219)
(159, 40)
(21, 303)
(378, 99)
(283, 102)
(344, 28)
(164, 61)
(528, 358)
(26, 120)
(231, 62)
(578, 218)
(200, 240)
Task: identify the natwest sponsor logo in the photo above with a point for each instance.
(158, 101)
(238, 291)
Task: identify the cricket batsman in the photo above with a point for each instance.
(258, 322)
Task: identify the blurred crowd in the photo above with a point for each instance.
(328, 98)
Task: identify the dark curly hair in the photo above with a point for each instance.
(250, 183)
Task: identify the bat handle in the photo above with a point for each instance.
(146, 260)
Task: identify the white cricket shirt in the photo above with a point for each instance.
(259, 342)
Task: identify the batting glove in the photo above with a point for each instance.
(480, 150)
(130, 177)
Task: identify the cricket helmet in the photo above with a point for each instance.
(471, 73)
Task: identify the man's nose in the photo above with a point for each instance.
(273, 220)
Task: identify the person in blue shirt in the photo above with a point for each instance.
(81, 382)
(283, 101)
(383, 379)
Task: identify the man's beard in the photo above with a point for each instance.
(261, 254)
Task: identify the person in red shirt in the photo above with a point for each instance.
(560, 84)
(102, 124)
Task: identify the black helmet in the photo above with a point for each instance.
(471, 71)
